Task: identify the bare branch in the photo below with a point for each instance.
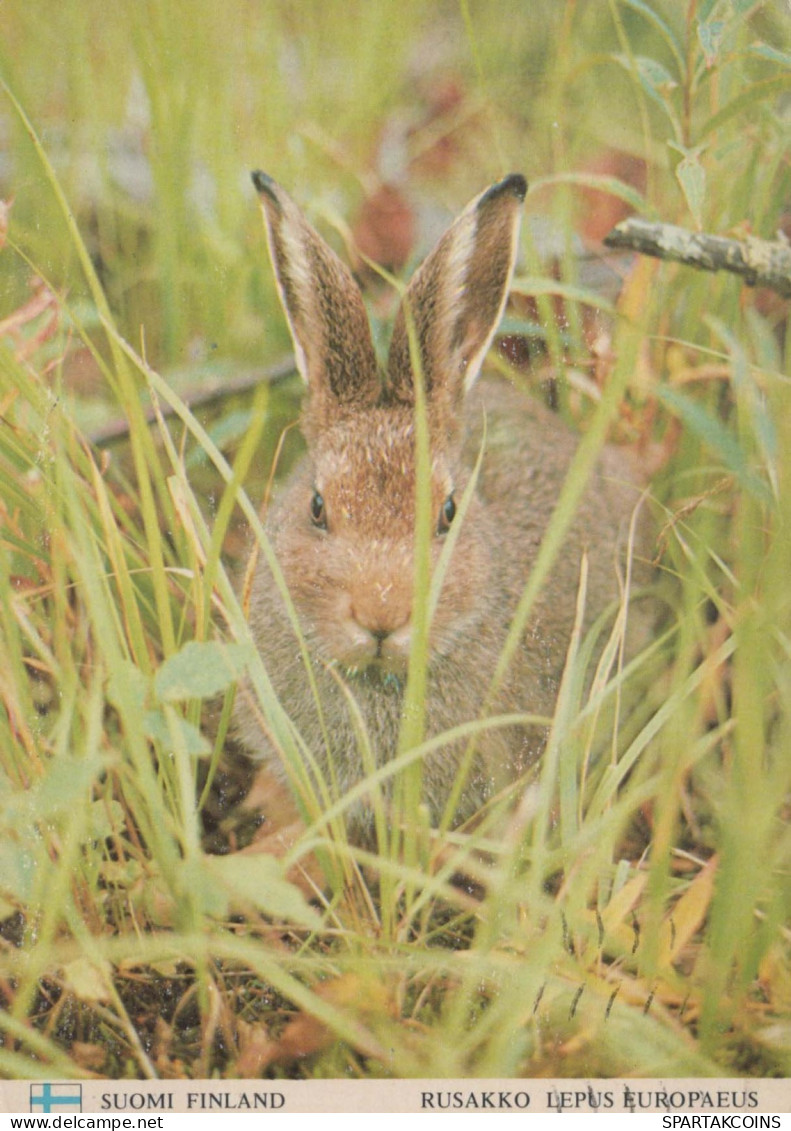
(760, 262)
(207, 393)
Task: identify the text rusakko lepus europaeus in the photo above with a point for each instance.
(342, 527)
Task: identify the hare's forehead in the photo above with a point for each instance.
(380, 458)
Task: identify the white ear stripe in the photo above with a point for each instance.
(297, 268)
(458, 264)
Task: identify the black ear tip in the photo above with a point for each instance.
(512, 185)
(516, 184)
(264, 183)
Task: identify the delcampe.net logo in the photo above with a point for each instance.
(53, 1098)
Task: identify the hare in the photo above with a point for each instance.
(342, 528)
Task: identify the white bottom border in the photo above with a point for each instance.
(733, 1097)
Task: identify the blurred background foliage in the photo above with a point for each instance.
(132, 239)
(154, 113)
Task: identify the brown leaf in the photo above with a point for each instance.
(688, 914)
(90, 1057)
(5, 208)
(304, 1035)
(603, 210)
(281, 829)
(385, 228)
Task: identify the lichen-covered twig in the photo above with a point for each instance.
(762, 263)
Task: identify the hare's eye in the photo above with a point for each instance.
(446, 515)
(317, 511)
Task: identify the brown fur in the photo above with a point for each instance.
(351, 583)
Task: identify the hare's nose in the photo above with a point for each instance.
(381, 627)
(380, 619)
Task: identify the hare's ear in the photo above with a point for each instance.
(324, 308)
(456, 298)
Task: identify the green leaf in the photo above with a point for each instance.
(200, 670)
(259, 880)
(710, 33)
(532, 287)
(654, 77)
(610, 185)
(738, 8)
(176, 731)
(66, 787)
(127, 686)
(104, 818)
(227, 431)
(17, 869)
(87, 979)
(662, 27)
(716, 436)
(654, 73)
(742, 7)
(758, 92)
(752, 397)
(692, 177)
(773, 54)
(511, 324)
(121, 874)
(68, 781)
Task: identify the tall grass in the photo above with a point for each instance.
(633, 911)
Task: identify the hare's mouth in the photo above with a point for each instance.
(388, 667)
(377, 678)
(367, 652)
